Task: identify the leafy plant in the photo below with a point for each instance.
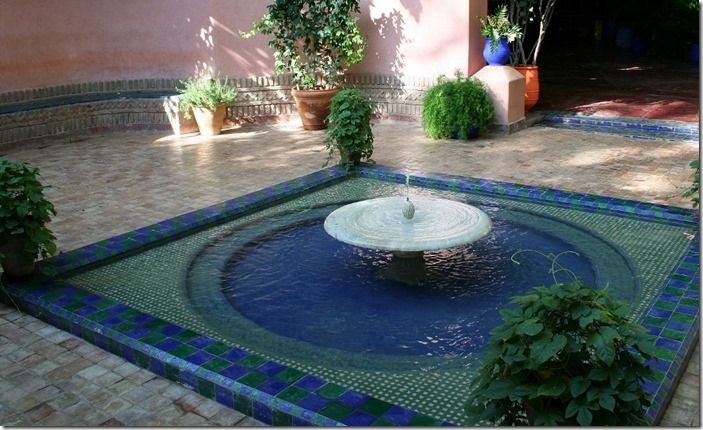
(564, 355)
(456, 108)
(314, 40)
(694, 191)
(24, 211)
(529, 15)
(497, 26)
(204, 91)
(349, 129)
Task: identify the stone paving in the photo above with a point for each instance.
(103, 185)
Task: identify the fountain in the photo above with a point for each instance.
(408, 228)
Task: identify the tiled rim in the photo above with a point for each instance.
(638, 128)
(278, 395)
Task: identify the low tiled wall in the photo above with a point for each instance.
(68, 109)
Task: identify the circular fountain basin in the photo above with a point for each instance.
(380, 224)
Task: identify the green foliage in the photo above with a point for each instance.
(564, 355)
(694, 191)
(349, 129)
(24, 211)
(203, 91)
(456, 107)
(532, 16)
(314, 40)
(497, 26)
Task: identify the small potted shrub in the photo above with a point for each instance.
(499, 31)
(565, 355)
(350, 127)
(694, 191)
(458, 108)
(314, 41)
(24, 214)
(207, 98)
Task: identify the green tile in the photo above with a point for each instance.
(252, 379)
(375, 407)
(206, 388)
(156, 324)
(682, 278)
(153, 338)
(336, 411)
(172, 372)
(290, 375)
(382, 423)
(673, 334)
(130, 313)
(292, 394)
(690, 302)
(658, 322)
(667, 306)
(664, 354)
(281, 419)
(125, 327)
(217, 348)
(674, 291)
(104, 303)
(658, 376)
(331, 391)
(242, 404)
(183, 351)
(99, 316)
(684, 318)
(142, 359)
(252, 361)
(424, 420)
(74, 306)
(216, 364)
(186, 336)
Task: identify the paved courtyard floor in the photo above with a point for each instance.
(104, 185)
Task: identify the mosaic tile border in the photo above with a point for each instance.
(279, 395)
(638, 128)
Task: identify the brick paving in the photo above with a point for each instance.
(51, 378)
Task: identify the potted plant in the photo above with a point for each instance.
(456, 108)
(524, 57)
(349, 129)
(564, 355)
(499, 31)
(24, 214)
(207, 98)
(314, 41)
(694, 190)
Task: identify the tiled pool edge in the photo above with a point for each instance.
(273, 410)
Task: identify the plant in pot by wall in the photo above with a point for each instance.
(499, 32)
(207, 98)
(349, 129)
(314, 41)
(532, 16)
(564, 355)
(24, 214)
(693, 191)
(456, 108)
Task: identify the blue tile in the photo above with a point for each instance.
(189, 379)
(358, 418)
(171, 330)
(201, 342)
(224, 396)
(314, 403)
(310, 383)
(168, 344)
(262, 412)
(352, 399)
(199, 357)
(273, 386)
(689, 310)
(399, 415)
(271, 368)
(234, 354)
(112, 321)
(669, 344)
(235, 371)
(659, 313)
(157, 367)
(138, 333)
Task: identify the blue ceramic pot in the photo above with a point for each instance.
(694, 54)
(473, 132)
(498, 57)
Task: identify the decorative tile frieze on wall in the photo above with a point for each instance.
(66, 109)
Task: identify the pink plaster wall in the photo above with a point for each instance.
(50, 42)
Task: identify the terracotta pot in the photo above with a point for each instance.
(17, 263)
(531, 74)
(209, 122)
(314, 107)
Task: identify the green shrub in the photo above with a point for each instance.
(456, 108)
(313, 40)
(203, 91)
(349, 129)
(24, 211)
(565, 355)
(694, 190)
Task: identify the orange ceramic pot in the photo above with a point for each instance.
(314, 107)
(209, 122)
(531, 74)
